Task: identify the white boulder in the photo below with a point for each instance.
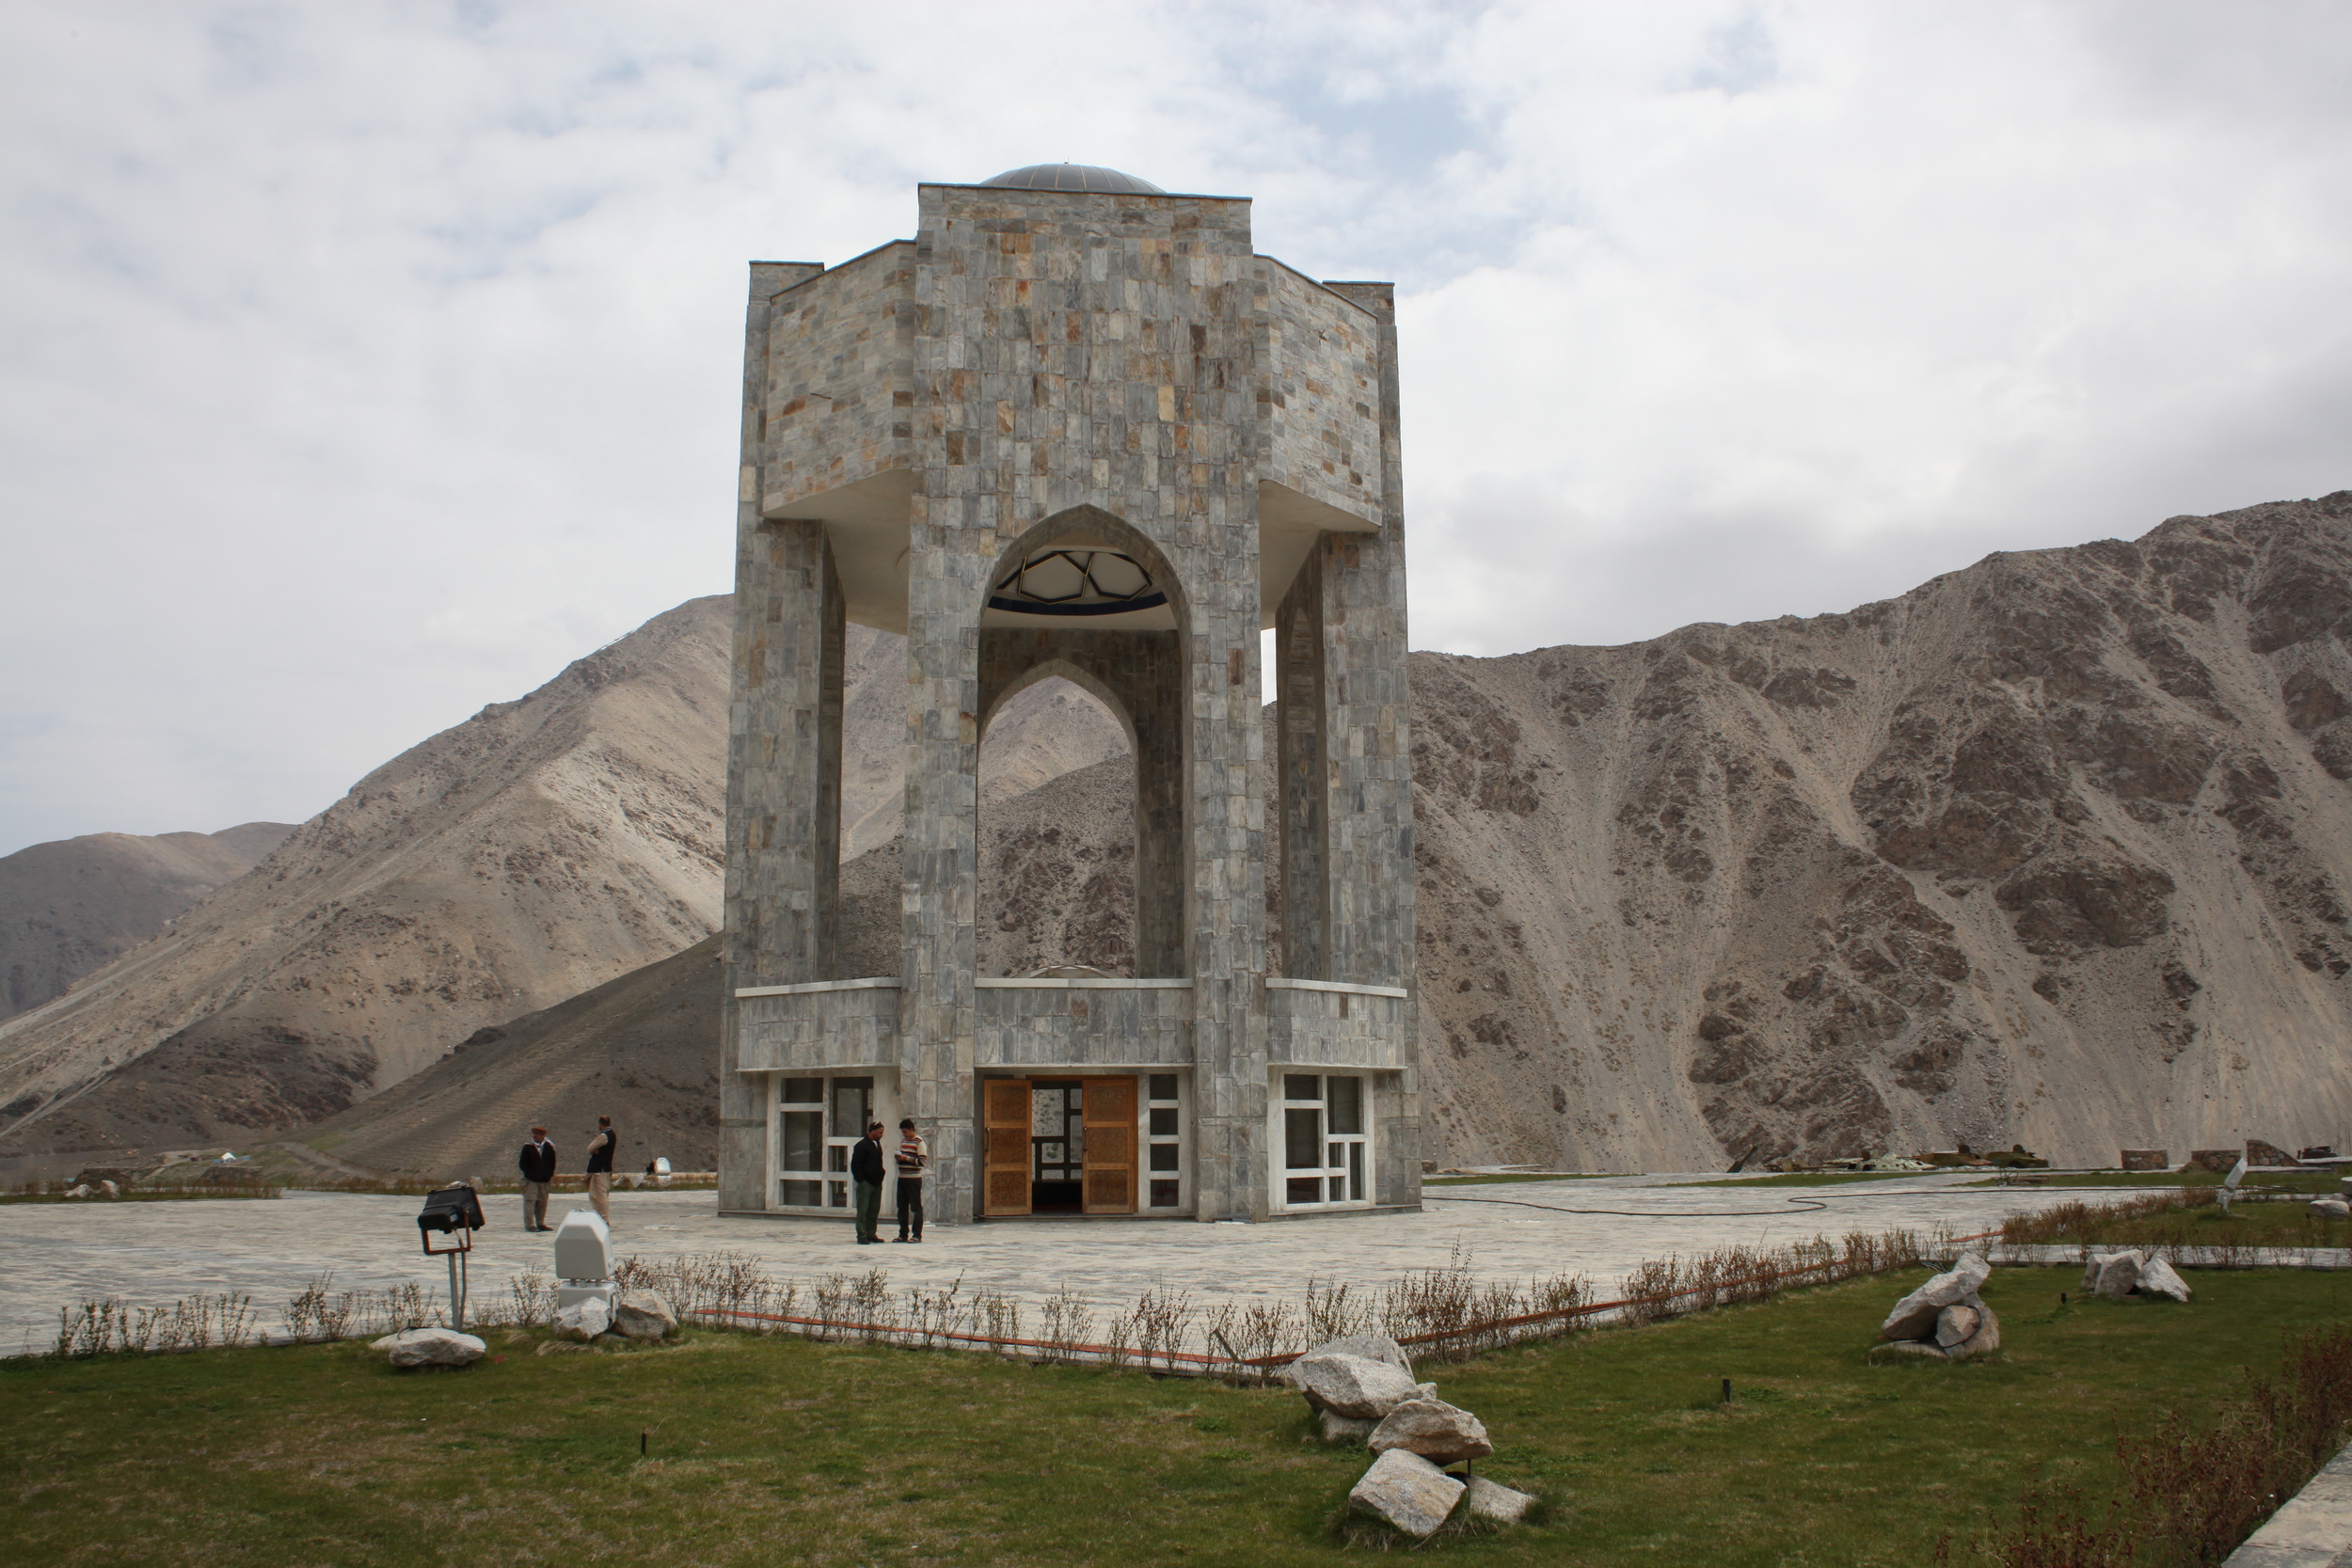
(582, 1320)
(1433, 1429)
(644, 1315)
(1956, 1324)
(1351, 1384)
(1408, 1492)
(431, 1347)
(2159, 1278)
(1347, 1429)
(1914, 1317)
(2330, 1209)
(1491, 1501)
(1372, 1347)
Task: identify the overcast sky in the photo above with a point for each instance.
(360, 364)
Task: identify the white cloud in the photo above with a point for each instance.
(359, 365)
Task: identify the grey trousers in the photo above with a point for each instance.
(535, 1205)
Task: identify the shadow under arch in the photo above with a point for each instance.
(1139, 677)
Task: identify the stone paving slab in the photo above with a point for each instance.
(151, 1253)
(2313, 1528)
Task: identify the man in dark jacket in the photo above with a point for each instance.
(600, 1151)
(537, 1164)
(865, 1174)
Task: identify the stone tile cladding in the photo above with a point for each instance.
(1090, 1026)
(819, 1031)
(1319, 406)
(1321, 1028)
(838, 393)
(1125, 368)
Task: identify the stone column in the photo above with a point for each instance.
(1304, 791)
(784, 744)
(1368, 734)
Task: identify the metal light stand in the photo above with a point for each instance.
(460, 1263)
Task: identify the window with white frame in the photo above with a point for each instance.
(817, 1119)
(1163, 1140)
(1324, 1157)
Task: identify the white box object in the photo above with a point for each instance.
(583, 1247)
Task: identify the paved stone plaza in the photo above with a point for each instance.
(148, 1253)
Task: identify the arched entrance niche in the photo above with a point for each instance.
(1064, 600)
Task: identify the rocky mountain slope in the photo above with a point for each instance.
(537, 850)
(69, 907)
(2049, 850)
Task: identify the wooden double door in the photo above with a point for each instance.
(1057, 1145)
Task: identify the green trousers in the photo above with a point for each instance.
(868, 1209)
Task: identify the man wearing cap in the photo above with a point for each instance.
(865, 1173)
(537, 1164)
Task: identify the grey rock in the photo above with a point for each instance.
(1408, 1492)
(109, 1189)
(1351, 1384)
(2159, 1278)
(1372, 1347)
(2119, 1276)
(582, 1321)
(1914, 1317)
(431, 1347)
(1492, 1500)
(1439, 1431)
(77, 1190)
(1893, 1349)
(1346, 1429)
(644, 1315)
(1956, 1324)
(1983, 1340)
(2331, 1208)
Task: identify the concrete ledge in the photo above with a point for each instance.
(2312, 1529)
(1276, 983)
(813, 987)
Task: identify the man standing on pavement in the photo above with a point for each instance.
(865, 1172)
(537, 1164)
(600, 1151)
(913, 1157)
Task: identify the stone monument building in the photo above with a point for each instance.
(1077, 428)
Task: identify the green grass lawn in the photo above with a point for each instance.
(775, 1450)
(2246, 1224)
(2296, 1181)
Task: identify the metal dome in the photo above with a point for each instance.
(1073, 177)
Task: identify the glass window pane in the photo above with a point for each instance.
(1165, 1157)
(1163, 1121)
(803, 1091)
(1355, 1188)
(1347, 1104)
(837, 1194)
(1302, 1139)
(852, 1102)
(837, 1157)
(1163, 1195)
(1301, 1086)
(1304, 1190)
(803, 1141)
(1162, 1086)
(800, 1194)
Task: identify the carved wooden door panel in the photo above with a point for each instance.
(1110, 1146)
(1005, 1145)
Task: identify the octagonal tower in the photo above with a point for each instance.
(1078, 427)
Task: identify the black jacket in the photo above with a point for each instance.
(601, 1157)
(865, 1161)
(537, 1162)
